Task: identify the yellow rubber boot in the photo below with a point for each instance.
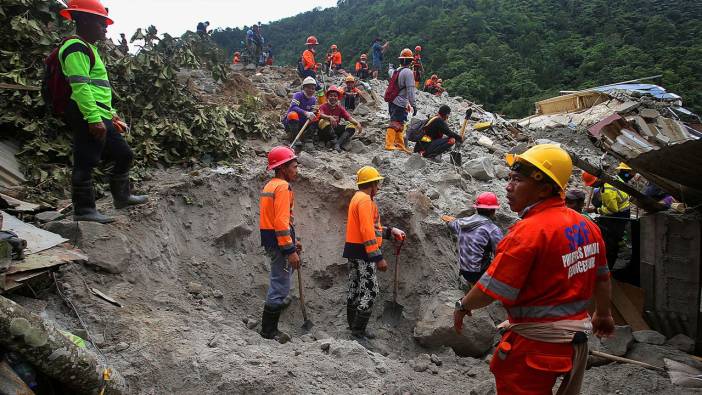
(390, 139)
(400, 141)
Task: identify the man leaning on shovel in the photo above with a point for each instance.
(364, 237)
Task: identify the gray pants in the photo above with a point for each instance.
(363, 284)
(279, 285)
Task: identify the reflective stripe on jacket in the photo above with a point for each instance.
(364, 233)
(90, 88)
(613, 200)
(276, 216)
(546, 267)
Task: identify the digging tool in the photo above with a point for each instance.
(308, 324)
(456, 156)
(624, 360)
(392, 313)
(469, 112)
(299, 134)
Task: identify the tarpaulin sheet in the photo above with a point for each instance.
(642, 89)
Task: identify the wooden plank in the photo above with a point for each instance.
(46, 259)
(10, 383)
(19, 87)
(627, 309)
(19, 205)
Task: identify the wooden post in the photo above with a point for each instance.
(53, 353)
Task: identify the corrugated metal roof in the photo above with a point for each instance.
(10, 173)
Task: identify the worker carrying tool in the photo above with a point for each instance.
(308, 66)
(417, 66)
(545, 273)
(278, 237)
(362, 69)
(78, 88)
(400, 96)
(302, 108)
(349, 94)
(364, 237)
(478, 237)
(330, 128)
(438, 137)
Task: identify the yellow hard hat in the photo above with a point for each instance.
(367, 174)
(623, 166)
(350, 78)
(551, 159)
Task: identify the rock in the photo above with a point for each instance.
(362, 110)
(48, 216)
(324, 345)
(336, 174)
(594, 344)
(449, 179)
(433, 194)
(252, 323)
(121, 346)
(649, 336)
(307, 338)
(620, 341)
(194, 288)
(653, 355)
(217, 294)
(502, 172)
(280, 91)
(434, 369)
(480, 168)
(682, 343)
(357, 147)
(435, 326)
(545, 141)
(237, 67)
(519, 148)
(250, 66)
(436, 360)
(420, 366)
(415, 162)
(108, 248)
(486, 387)
(307, 160)
(649, 113)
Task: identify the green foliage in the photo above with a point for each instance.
(168, 124)
(507, 54)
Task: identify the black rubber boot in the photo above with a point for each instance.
(122, 194)
(269, 324)
(343, 139)
(350, 313)
(83, 197)
(360, 322)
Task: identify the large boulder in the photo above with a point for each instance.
(653, 355)
(435, 326)
(618, 344)
(480, 168)
(649, 336)
(682, 342)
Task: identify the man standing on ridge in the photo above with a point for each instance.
(364, 237)
(97, 129)
(478, 237)
(335, 59)
(302, 107)
(402, 104)
(417, 66)
(545, 273)
(277, 227)
(308, 65)
(434, 143)
(377, 51)
(123, 45)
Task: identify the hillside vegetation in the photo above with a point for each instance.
(507, 54)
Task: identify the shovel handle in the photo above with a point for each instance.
(302, 293)
(292, 145)
(397, 271)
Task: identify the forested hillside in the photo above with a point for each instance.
(507, 54)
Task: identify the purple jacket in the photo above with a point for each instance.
(478, 237)
(300, 104)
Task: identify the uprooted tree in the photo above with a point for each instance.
(168, 124)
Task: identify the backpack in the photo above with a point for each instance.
(393, 89)
(415, 130)
(55, 88)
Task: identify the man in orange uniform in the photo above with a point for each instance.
(364, 237)
(545, 272)
(237, 58)
(308, 64)
(349, 94)
(278, 237)
(335, 58)
(430, 84)
(362, 70)
(417, 66)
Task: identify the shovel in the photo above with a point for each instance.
(307, 325)
(299, 134)
(392, 314)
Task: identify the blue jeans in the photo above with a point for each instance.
(279, 285)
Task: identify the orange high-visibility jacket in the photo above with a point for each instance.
(336, 58)
(276, 216)
(308, 62)
(361, 65)
(364, 233)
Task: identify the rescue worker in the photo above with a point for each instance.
(237, 58)
(364, 237)
(438, 87)
(123, 45)
(97, 129)
(403, 104)
(202, 28)
(302, 107)
(417, 66)
(362, 71)
(269, 55)
(575, 200)
(545, 273)
(438, 137)
(430, 84)
(377, 51)
(330, 129)
(335, 58)
(350, 94)
(614, 212)
(309, 65)
(277, 227)
(478, 237)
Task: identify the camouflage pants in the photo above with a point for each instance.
(363, 284)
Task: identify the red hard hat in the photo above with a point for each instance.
(487, 200)
(589, 179)
(417, 48)
(94, 7)
(312, 40)
(279, 156)
(333, 88)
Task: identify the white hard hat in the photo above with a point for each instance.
(309, 81)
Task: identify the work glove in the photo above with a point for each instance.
(382, 265)
(309, 115)
(398, 234)
(97, 130)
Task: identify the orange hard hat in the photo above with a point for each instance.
(94, 7)
(333, 88)
(406, 54)
(589, 179)
(417, 48)
(312, 40)
(364, 56)
(434, 76)
(333, 46)
(487, 200)
(279, 156)
(350, 78)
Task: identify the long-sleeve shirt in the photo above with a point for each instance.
(301, 104)
(308, 62)
(478, 238)
(364, 232)
(405, 82)
(276, 220)
(336, 58)
(90, 87)
(613, 200)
